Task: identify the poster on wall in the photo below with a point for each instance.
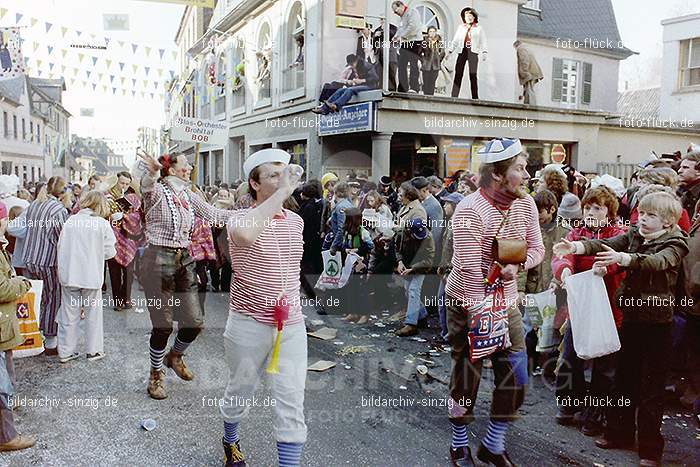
(350, 13)
(11, 61)
(457, 157)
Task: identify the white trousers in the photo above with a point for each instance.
(248, 346)
(68, 319)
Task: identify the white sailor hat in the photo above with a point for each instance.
(263, 157)
(500, 149)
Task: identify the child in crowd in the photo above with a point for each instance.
(651, 253)
(539, 278)
(600, 207)
(355, 240)
(85, 243)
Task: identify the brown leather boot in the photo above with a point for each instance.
(407, 330)
(174, 360)
(18, 443)
(156, 386)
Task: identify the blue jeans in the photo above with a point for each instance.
(343, 96)
(7, 423)
(415, 310)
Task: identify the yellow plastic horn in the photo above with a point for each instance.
(273, 367)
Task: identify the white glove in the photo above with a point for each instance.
(117, 216)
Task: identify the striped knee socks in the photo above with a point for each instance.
(179, 346)
(231, 432)
(289, 454)
(495, 440)
(460, 438)
(157, 357)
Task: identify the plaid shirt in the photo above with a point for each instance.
(162, 229)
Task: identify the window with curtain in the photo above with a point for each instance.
(689, 63)
(238, 67)
(220, 88)
(263, 59)
(293, 73)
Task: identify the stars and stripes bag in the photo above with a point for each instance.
(488, 323)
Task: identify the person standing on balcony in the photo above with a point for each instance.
(365, 47)
(378, 39)
(431, 60)
(410, 37)
(529, 72)
(470, 42)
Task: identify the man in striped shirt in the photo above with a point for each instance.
(266, 250)
(499, 209)
(44, 221)
(170, 283)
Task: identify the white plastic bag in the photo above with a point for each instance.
(546, 305)
(592, 323)
(335, 274)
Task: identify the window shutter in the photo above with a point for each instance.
(587, 83)
(557, 79)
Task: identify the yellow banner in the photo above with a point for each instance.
(201, 3)
(349, 22)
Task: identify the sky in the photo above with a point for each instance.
(151, 25)
(639, 22)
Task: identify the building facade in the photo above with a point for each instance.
(265, 81)
(46, 97)
(22, 139)
(680, 83)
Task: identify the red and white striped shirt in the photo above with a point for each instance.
(171, 225)
(268, 266)
(474, 226)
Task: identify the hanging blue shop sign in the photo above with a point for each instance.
(351, 119)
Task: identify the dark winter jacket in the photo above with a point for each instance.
(648, 292)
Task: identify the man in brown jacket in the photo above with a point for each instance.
(529, 72)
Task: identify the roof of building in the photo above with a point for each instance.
(96, 149)
(639, 104)
(50, 87)
(577, 20)
(49, 90)
(12, 89)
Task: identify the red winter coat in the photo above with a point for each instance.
(579, 263)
